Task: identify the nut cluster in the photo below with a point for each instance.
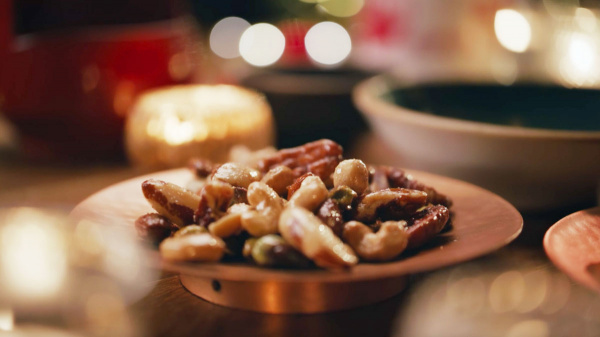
(293, 208)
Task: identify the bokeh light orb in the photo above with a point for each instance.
(328, 43)
(262, 44)
(513, 31)
(225, 36)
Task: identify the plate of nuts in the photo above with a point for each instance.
(302, 230)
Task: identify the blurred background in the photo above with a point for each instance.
(94, 92)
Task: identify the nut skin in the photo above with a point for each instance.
(236, 174)
(214, 200)
(171, 201)
(352, 173)
(389, 204)
(305, 232)
(387, 243)
(426, 224)
(201, 167)
(153, 228)
(398, 178)
(331, 215)
(200, 247)
(273, 251)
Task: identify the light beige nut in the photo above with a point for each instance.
(215, 198)
(193, 247)
(389, 204)
(239, 208)
(267, 204)
(352, 173)
(387, 243)
(241, 154)
(191, 229)
(279, 178)
(236, 174)
(171, 201)
(305, 232)
(227, 225)
(311, 194)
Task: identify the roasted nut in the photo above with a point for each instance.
(201, 167)
(343, 195)
(331, 215)
(399, 178)
(279, 178)
(305, 232)
(426, 224)
(311, 194)
(247, 250)
(241, 154)
(170, 200)
(296, 184)
(193, 247)
(389, 204)
(319, 157)
(352, 173)
(154, 228)
(236, 174)
(262, 220)
(227, 225)
(273, 251)
(191, 229)
(378, 179)
(386, 244)
(215, 198)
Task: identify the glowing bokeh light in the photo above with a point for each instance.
(513, 31)
(225, 36)
(262, 44)
(586, 19)
(328, 43)
(342, 8)
(7, 319)
(578, 63)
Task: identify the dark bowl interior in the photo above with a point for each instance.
(541, 106)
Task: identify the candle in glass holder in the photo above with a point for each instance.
(168, 126)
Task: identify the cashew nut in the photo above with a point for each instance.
(305, 232)
(262, 220)
(352, 173)
(193, 247)
(311, 194)
(171, 201)
(227, 225)
(391, 203)
(389, 241)
(236, 174)
(279, 178)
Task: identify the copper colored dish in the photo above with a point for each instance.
(573, 245)
(482, 222)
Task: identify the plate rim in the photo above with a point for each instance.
(237, 272)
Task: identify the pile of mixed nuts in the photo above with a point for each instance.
(292, 208)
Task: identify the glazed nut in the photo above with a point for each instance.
(387, 243)
(279, 178)
(154, 228)
(236, 174)
(193, 247)
(215, 198)
(311, 194)
(267, 204)
(273, 251)
(226, 226)
(305, 232)
(352, 173)
(247, 250)
(426, 224)
(389, 204)
(343, 195)
(172, 201)
(191, 229)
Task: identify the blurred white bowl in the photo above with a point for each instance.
(534, 168)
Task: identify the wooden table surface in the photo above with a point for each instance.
(428, 307)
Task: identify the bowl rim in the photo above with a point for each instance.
(367, 98)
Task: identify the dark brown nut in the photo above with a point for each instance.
(296, 184)
(331, 215)
(279, 178)
(273, 251)
(385, 244)
(399, 178)
(154, 228)
(236, 174)
(305, 232)
(202, 168)
(389, 204)
(240, 195)
(343, 195)
(426, 224)
(193, 247)
(191, 229)
(215, 198)
(319, 157)
(352, 173)
(170, 200)
(378, 179)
